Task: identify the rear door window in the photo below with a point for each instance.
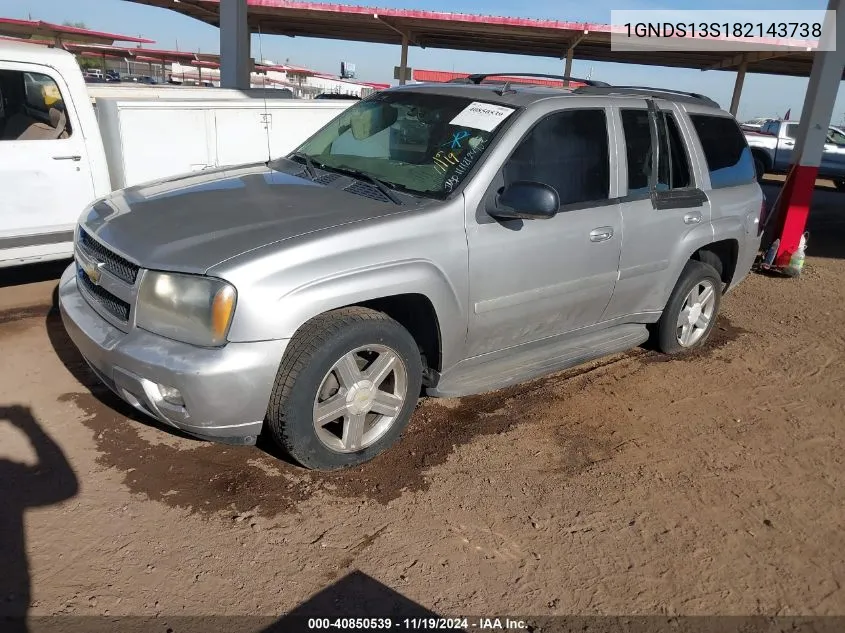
(726, 152)
(673, 169)
(636, 126)
(673, 164)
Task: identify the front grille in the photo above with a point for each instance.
(115, 264)
(366, 190)
(114, 306)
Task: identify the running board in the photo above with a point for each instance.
(536, 360)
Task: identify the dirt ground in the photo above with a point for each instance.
(713, 484)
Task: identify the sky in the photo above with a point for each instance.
(763, 95)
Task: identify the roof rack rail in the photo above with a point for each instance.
(478, 78)
(689, 97)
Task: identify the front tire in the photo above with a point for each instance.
(690, 314)
(346, 389)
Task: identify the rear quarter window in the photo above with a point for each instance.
(728, 157)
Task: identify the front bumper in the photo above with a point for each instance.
(225, 390)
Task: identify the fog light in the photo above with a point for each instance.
(171, 395)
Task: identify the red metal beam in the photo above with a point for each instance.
(38, 27)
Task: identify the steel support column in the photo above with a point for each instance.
(567, 70)
(403, 61)
(740, 79)
(570, 53)
(234, 45)
(797, 194)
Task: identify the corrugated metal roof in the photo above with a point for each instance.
(461, 31)
(37, 28)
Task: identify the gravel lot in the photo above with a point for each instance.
(634, 485)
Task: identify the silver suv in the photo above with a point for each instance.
(445, 239)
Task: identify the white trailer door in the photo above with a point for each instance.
(241, 134)
(158, 140)
(45, 178)
(292, 122)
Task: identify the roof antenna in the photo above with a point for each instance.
(506, 89)
(266, 116)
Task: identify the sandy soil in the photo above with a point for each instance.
(634, 485)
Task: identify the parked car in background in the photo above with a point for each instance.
(336, 95)
(142, 79)
(773, 150)
(455, 238)
(93, 78)
(754, 125)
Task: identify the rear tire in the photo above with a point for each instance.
(692, 309)
(345, 390)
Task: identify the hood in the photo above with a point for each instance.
(190, 223)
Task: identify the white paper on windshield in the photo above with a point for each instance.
(481, 116)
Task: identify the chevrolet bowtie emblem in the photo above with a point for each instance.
(93, 270)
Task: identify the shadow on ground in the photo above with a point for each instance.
(32, 273)
(49, 481)
(356, 595)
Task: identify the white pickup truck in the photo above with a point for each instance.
(773, 147)
(64, 144)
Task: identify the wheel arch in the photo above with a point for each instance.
(696, 239)
(764, 158)
(722, 255)
(416, 293)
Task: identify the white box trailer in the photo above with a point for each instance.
(130, 90)
(148, 140)
(58, 153)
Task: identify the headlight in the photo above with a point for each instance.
(188, 308)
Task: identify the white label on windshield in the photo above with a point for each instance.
(481, 116)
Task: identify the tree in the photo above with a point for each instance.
(85, 63)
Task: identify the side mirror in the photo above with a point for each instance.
(525, 200)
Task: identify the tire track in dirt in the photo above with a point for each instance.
(209, 478)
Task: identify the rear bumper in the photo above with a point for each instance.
(225, 390)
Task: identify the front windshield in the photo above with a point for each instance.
(421, 143)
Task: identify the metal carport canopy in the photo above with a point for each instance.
(41, 31)
(461, 31)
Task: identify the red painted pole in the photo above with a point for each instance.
(825, 78)
(797, 197)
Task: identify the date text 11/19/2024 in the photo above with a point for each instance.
(417, 624)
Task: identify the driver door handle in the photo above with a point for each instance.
(73, 158)
(601, 234)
